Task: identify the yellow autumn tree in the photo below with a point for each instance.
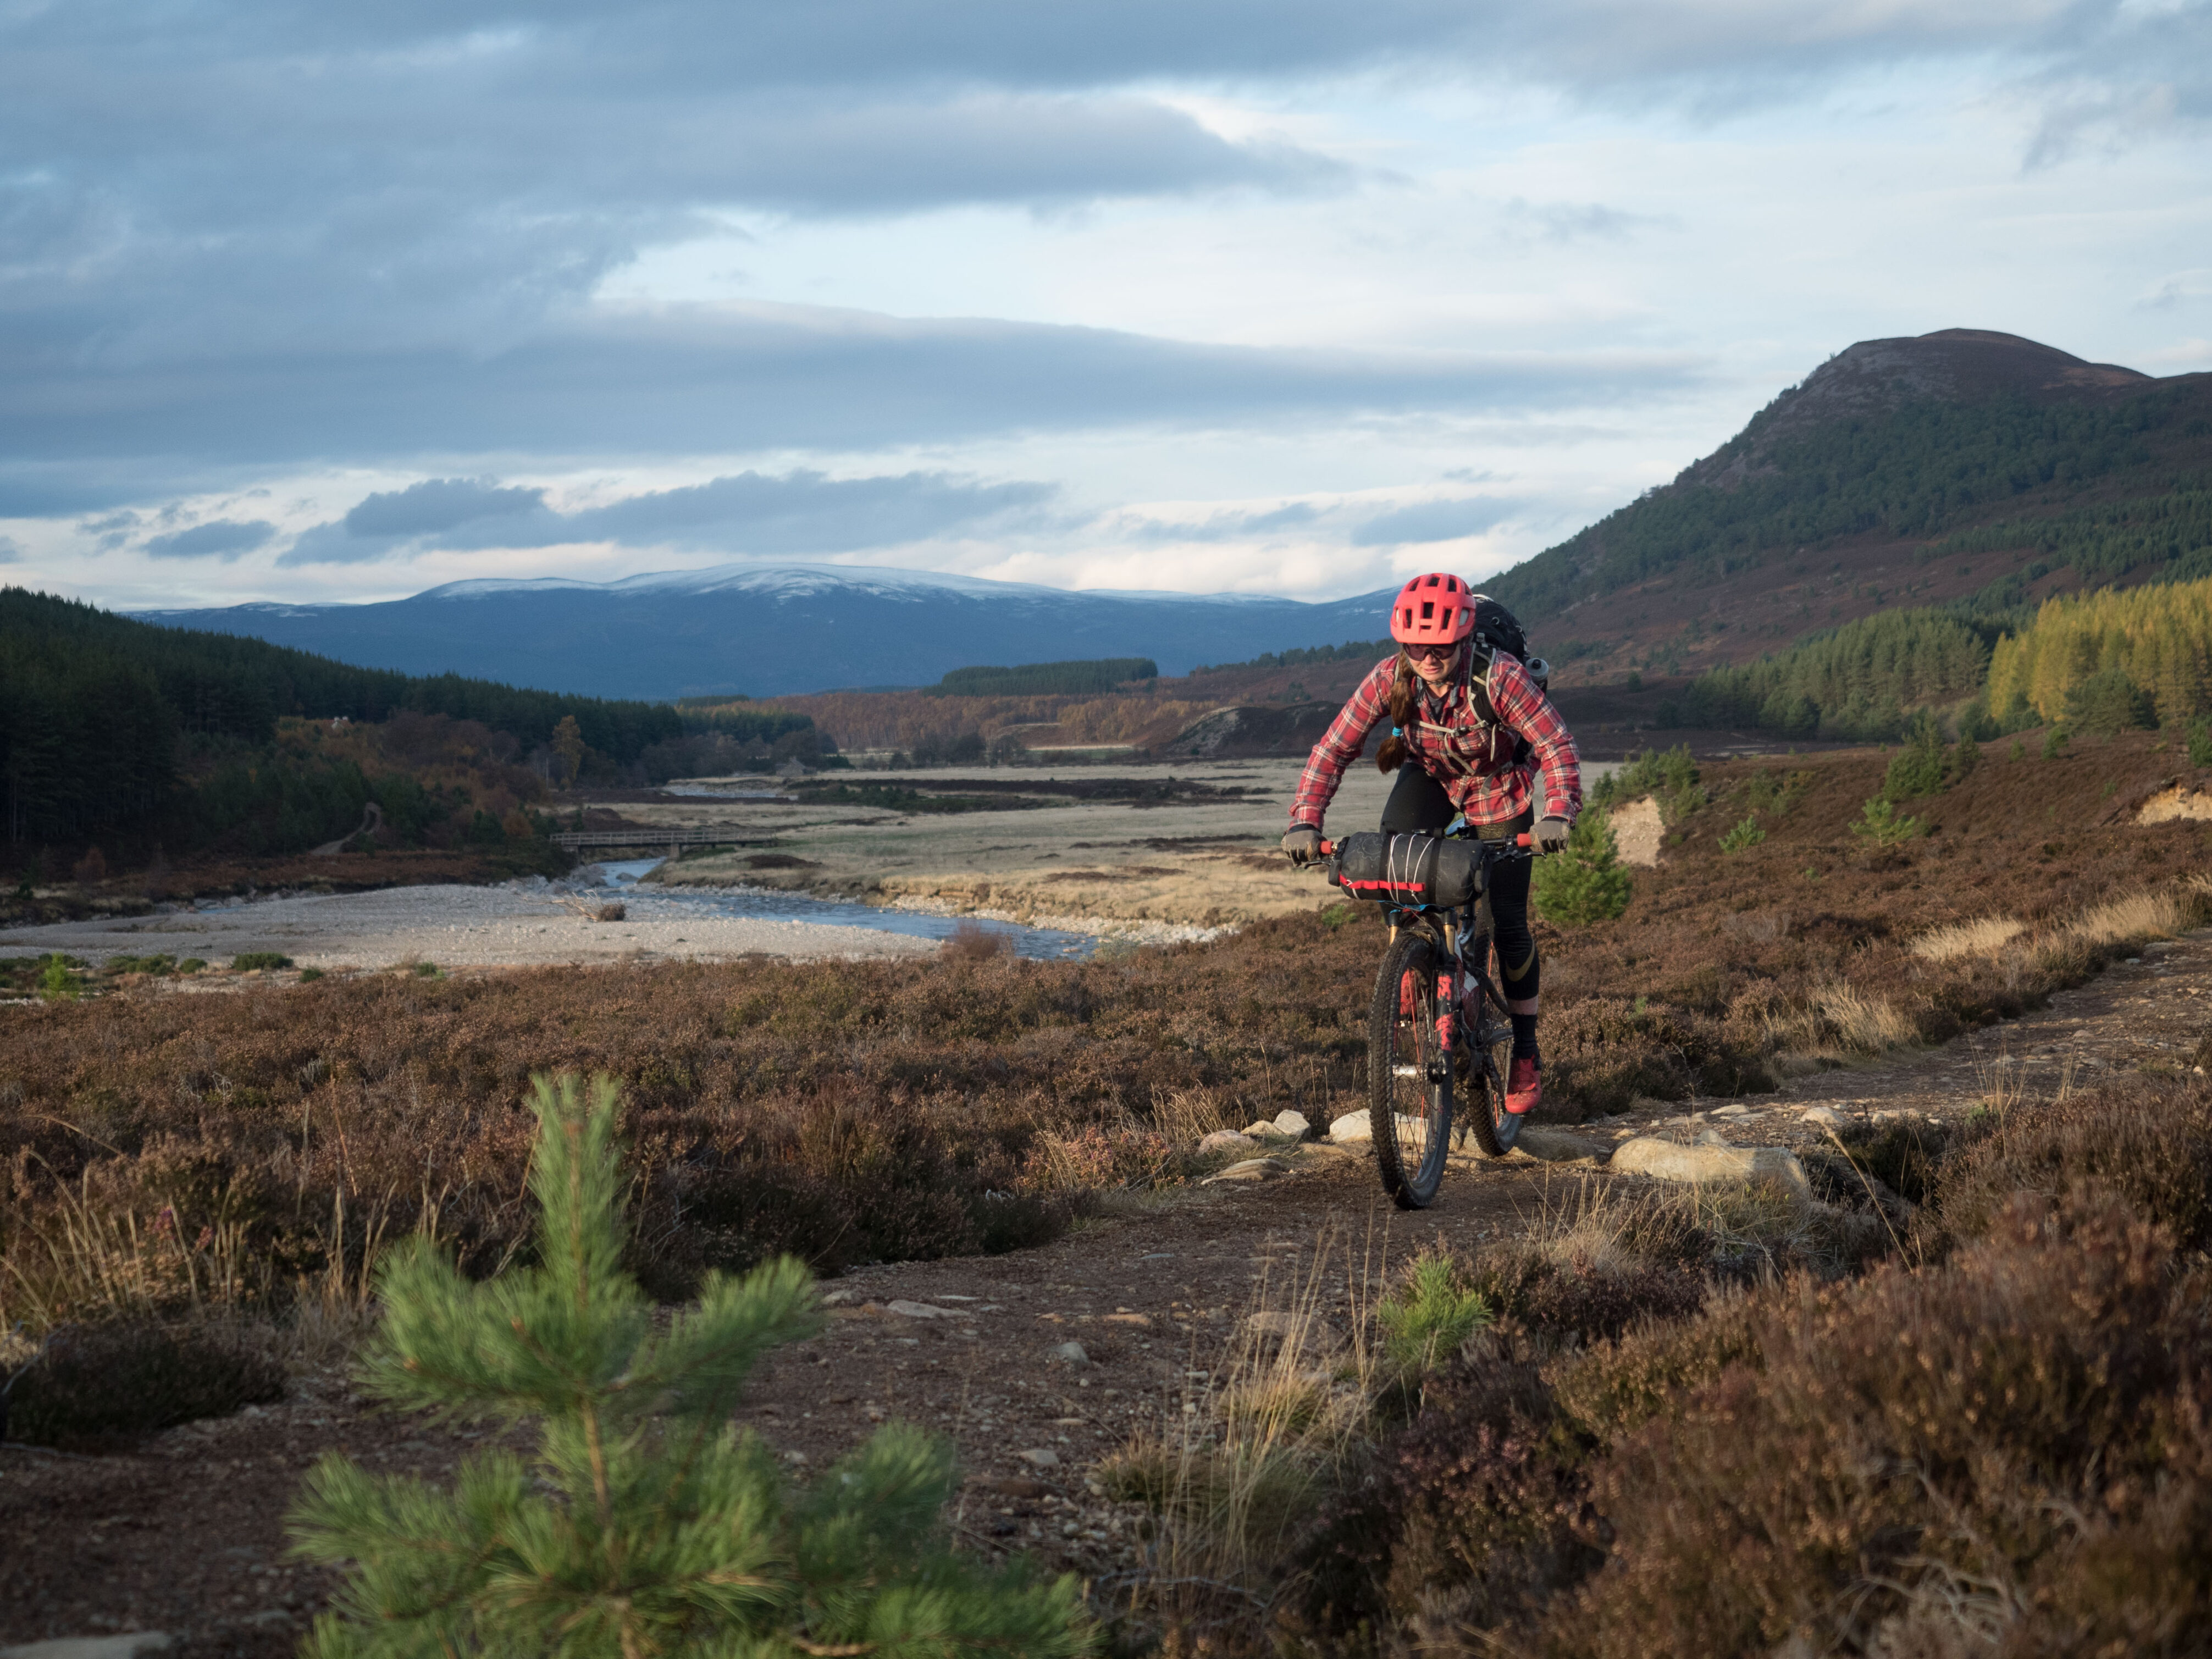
(2161, 637)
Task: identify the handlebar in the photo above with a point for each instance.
(1329, 848)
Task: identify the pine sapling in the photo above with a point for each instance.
(644, 1524)
(1586, 882)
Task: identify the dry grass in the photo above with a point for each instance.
(2136, 917)
(1240, 1461)
(1835, 1022)
(1967, 938)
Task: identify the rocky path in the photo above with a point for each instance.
(1037, 1365)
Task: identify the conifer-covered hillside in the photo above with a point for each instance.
(1956, 466)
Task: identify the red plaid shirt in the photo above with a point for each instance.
(1475, 762)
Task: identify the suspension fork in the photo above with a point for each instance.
(1447, 991)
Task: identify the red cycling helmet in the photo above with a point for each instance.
(1432, 610)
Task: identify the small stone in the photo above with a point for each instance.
(126, 1646)
(918, 1310)
(1292, 1123)
(836, 1298)
(1731, 1111)
(1709, 1138)
(1042, 1457)
(1825, 1117)
(1252, 1168)
(1352, 1126)
(1227, 1140)
(1070, 1353)
(1128, 1319)
(1553, 1145)
(1667, 1160)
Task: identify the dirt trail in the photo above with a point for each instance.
(184, 1534)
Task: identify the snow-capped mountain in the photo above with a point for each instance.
(767, 629)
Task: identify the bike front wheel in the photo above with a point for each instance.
(1409, 1101)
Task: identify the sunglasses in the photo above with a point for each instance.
(1417, 652)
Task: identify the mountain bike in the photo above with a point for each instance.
(1437, 1010)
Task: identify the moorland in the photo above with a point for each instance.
(216, 1173)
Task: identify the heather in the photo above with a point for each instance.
(855, 1112)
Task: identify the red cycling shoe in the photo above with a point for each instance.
(1524, 1087)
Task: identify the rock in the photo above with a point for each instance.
(126, 1646)
(1823, 1117)
(1667, 1160)
(1252, 1168)
(919, 1311)
(1227, 1140)
(1352, 1126)
(1042, 1457)
(1731, 1111)
(1126, 1318)
(1624, 1134)
(1292, 1124)
(1070, 1353)
(1709, 1138)
(1553, 1146)
(1647, 1104)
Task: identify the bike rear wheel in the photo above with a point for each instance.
(1488, 1037)
(1409, 1103)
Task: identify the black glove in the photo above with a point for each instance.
(1552, 834)
(1302, 844)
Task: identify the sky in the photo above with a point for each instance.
(337, 303)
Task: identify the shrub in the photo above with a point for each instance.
(646, 1523)
(309, 975)
(2012, 1442)
(1916, 770)
(1430, 1314)
(1587, 882)
(1745, 834)
(2054, 743)
(92, 867)
(971, 941)
(1880, 823)
(104, 1385)
(58, 980)
(2148, 1143)
(246, 961)
(1669, 776)
(1966, 756)
(2200, 744)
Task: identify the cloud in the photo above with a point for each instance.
(11, 550)
(218, 538)
(706, 379)
(1435, 521)
(437, 504)
(800, 512)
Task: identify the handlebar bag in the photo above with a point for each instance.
(1410, 870)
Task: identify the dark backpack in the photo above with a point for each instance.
(1497, 629)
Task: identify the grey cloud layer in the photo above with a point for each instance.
(260, 233)
(218, 538)
(701, 381)
(801, 512)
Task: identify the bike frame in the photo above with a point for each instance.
(1450, 932)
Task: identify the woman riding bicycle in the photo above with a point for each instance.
(1477, 730)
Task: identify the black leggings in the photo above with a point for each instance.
(1418, 803)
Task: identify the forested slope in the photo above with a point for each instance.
(1956, 466)
(105, 722)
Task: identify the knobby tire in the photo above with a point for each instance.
(1410, 1115)
(1488, 1037)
